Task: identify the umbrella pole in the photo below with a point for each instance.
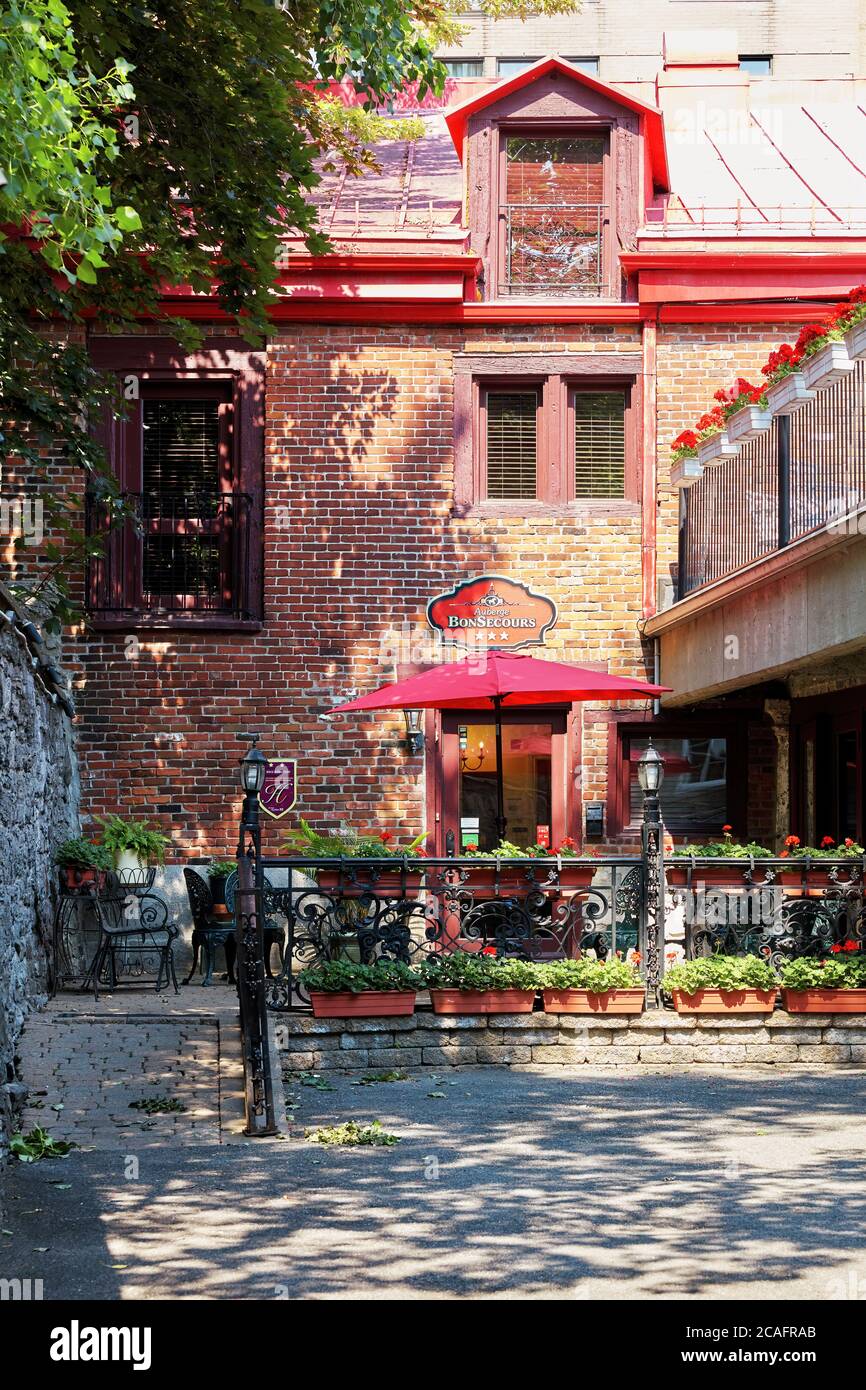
(500, 773)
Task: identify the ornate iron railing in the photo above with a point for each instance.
(171, 553)
(775, 908)
(555, 249)
(363, 909)
(806, 472)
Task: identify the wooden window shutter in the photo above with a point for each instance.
(599, 444)
(512, 445)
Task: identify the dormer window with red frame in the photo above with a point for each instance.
(559, 170)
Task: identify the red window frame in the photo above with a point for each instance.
(624, 726)
(228, 370)
(555, 481)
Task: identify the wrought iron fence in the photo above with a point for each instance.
(364, 909)
(171, 553)
(806, 472)
(555, 248)
(775, 908)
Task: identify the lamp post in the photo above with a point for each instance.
(254, 765)
(650, 776)
(258, 1081)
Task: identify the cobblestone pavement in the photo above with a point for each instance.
(575, 1185)
(86, 1062)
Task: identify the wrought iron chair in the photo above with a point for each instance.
(134, 925)
(274, 932)
(208, 931)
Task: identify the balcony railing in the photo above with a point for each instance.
(555, 249)
(807, 471)
(361, 909)
(170, 554)
(778, 909)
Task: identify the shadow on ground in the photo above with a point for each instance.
(510, 1184)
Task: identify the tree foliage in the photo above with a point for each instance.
(148, 143)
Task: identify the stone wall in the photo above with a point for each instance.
(655, 1038)
(38, 809)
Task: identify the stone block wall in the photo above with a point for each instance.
(655, 1038)
(38, 809)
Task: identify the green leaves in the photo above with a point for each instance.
(351, 1134)
(339, 976)
(38, 1144)
(597, 976)
(720, 972)
(840, 971)
(477, 971)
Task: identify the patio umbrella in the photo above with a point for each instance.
(498, 680)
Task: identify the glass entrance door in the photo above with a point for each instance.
(533, 766)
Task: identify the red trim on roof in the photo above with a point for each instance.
(652, 117)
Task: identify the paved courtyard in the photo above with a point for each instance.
(520, 1183)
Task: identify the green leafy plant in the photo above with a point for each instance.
(340, 976)
(82, 854)
(30, 1148)
(506, 849)
(723, 849)
(828, 849)
(158, 1105)
(348, 844)
(221, 868)
(597, 976)
(477, 970)
(843, 971)
(377, 1078)
(121, 836)
(720, 972)
(351, 1134)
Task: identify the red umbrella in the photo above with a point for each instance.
(497, 680)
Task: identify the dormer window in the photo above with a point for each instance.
(559, 170)
(555, 215)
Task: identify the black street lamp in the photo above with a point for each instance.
(651, 775)
(254, 765)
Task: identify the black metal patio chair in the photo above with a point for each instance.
(134, 928)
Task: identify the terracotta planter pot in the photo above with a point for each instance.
(522, 879)
(789, 395)
(828, 364)
(220, 910)
(80, 878)
(368, 1003)
(582, 1001)
(824, 1001)
(748, 422)
(482, 1001)
(725, 1001)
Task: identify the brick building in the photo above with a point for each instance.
(481, 383)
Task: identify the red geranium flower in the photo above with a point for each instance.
(792, 840)
(637, 957)
(386, 836)
(488, 951)
(848, 843)
(726, 829)
(851, 946)
(784, 854)
(567, 843)
(827, 842)
(836, 948)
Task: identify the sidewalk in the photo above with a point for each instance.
(86, 1061)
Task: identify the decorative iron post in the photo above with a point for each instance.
(650, 776)
(258, 1079)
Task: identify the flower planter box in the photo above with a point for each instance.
(726, 875)
(824, 1001)
(830, 363)
(353, 881)
(73, 878)
(482, 1001)
(725, 1001)
(369, 1003)
(716, 448)
(789, 395)
(524, 878)
(686, 472)
(855, 341)
(583, 1001)
(747, 422)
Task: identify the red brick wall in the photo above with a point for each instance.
(359, 535)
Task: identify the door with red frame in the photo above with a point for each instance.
(536, 777)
